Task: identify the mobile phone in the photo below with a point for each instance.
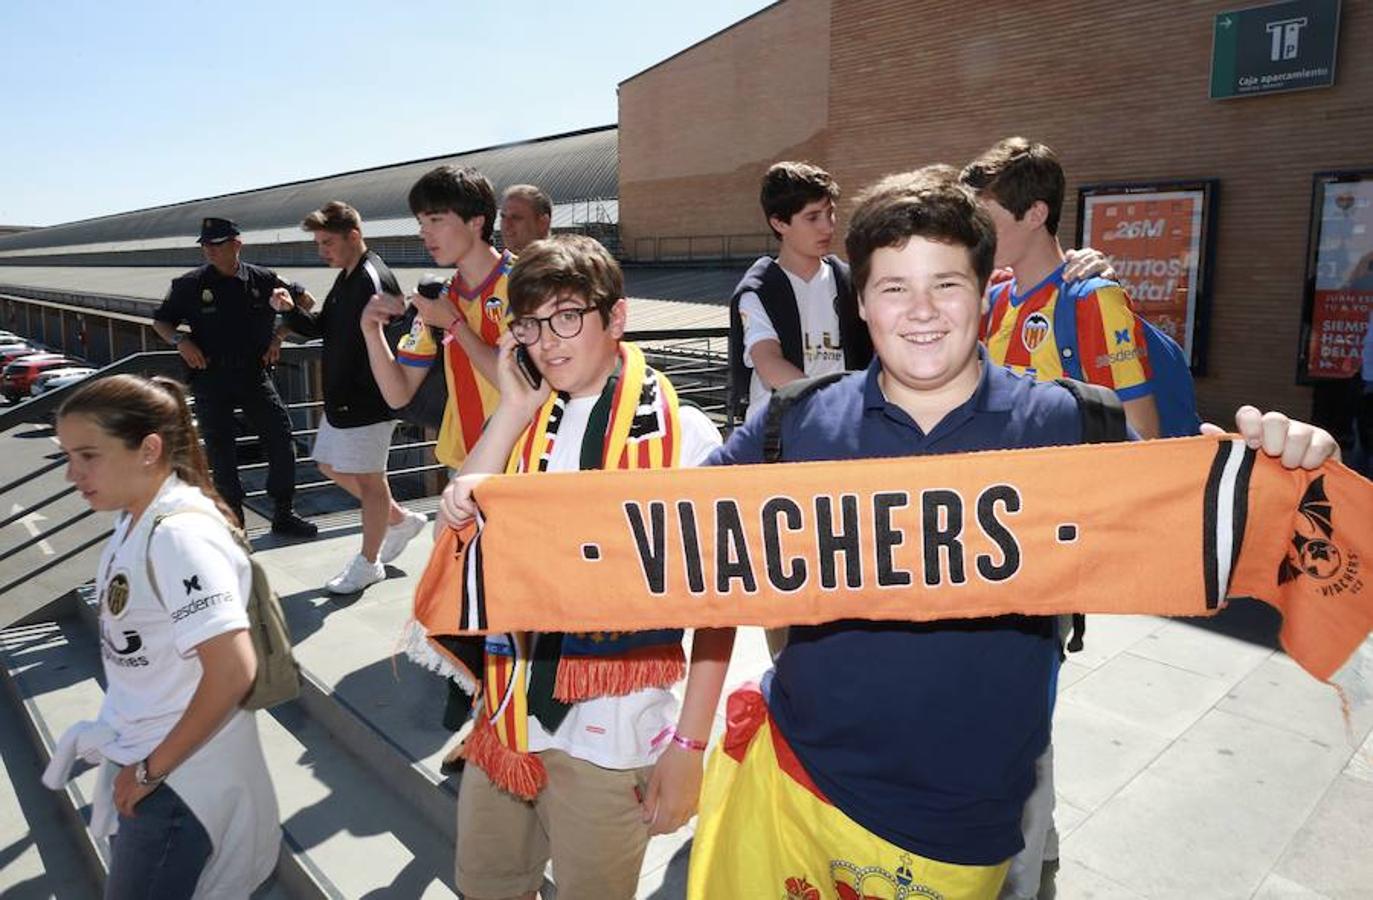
(430, 286)
(527, 368)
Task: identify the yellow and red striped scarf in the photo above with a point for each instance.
(636, 426)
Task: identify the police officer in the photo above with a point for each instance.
(230, 351)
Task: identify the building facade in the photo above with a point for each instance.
(1120, 91)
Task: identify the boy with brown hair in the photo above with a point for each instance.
(353, 442)
(456, 210)
(579, 753)
(793, 316)
(827, 779)
(1021, 184)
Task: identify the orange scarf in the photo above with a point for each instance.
(1169, 528)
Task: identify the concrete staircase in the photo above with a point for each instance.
(364, 813)
(355, 761)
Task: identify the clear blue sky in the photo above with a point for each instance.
(108, 107)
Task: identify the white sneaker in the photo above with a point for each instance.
(358, 574)
(397, 536)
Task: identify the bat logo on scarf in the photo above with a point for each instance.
(1313, 551)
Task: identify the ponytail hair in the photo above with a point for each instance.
(131, 407)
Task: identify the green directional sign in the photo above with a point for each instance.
(1287, 46)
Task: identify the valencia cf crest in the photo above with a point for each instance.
(207, 296)
(117, 595)
(492, 308)
(1035, 330)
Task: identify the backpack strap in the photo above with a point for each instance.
(783, 399)
(740, 372)
(1100, 410)
(1103, 422)
(158, 519)
(854, 338)
(1065, 328)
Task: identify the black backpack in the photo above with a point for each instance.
(1103, 422)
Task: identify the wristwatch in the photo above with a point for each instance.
(140, 775)
(178, 337)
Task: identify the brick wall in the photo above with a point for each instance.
(867, 87)
(698, 130)
(1120, 91)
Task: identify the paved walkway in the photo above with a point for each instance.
(1193, 758)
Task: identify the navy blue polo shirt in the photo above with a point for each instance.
(925, 734)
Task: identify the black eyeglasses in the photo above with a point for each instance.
(565, 323)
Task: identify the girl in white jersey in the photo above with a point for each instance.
(184, 791)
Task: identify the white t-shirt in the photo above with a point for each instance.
(616, 732)
(819, 329)
(148, 647)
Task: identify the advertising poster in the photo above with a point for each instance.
(1156, 241)
(1340, 281)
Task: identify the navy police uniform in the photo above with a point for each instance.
(232, 322)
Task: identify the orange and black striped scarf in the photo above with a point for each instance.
(1170, 527)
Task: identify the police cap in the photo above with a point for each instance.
(216, 231)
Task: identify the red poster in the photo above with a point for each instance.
(1338, 322)
(1154, 243)
(1344, 281)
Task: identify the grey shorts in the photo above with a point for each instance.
(355, 451)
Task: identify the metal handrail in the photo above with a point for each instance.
(25, 479)
(35, 410)
(41, 409)
(44, 535)
(66, 491)
(317, 485)
(701, 247)
(56, 561)
(414, 445)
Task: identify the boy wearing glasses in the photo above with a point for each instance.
(580, 753)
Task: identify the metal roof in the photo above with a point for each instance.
(148, 284)
(576, 166)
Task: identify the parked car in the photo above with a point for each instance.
(60, 377)
(11, 352)
(19, 375)
(9, 337)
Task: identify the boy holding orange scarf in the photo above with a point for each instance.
(895, 758)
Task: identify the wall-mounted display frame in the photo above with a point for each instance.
(1339, 276)
(1160, 238)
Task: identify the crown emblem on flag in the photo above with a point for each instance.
(854, 882)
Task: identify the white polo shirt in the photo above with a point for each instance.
(148, 648)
